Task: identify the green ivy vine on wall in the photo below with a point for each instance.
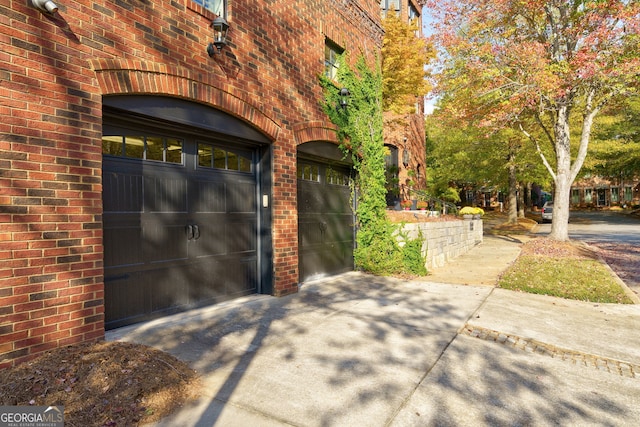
(360, 131)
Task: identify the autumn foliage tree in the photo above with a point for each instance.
(540, 67)
(463, 153)
(404, 57)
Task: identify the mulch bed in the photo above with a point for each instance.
(102, 384)
(417, 216)
(623, 258)
(543, 246)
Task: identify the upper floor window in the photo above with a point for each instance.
(390, 156)
(413, 13)
(219, 7)
(387, 5)
(331, 53)
(414, 17)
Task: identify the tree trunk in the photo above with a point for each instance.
(560, 224)
(512, 217)
(512, 203)
(563, 179)
(521, 205)
(529, 204)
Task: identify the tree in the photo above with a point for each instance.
(461, 152)
(536, 66)
(616, 148)
(404, 57)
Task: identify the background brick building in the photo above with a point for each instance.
(599, 192)
(93, 100)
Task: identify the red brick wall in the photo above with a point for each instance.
(54, 71)
(411, 127)
(51, 290)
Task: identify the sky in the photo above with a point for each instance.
(429, 104)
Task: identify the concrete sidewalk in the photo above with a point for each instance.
(483, 264)
(369, 351)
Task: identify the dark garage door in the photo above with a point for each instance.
(181, 221)
(325, 219)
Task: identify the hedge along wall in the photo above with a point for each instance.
(445, 240)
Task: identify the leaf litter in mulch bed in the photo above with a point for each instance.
(556, 249)
(102, 384)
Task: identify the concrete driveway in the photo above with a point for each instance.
(359, 350)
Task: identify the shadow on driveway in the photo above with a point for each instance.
(365, 350)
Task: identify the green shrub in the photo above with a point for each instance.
(412, 258)
(470, 210)
(361, 137)
(382, 256)
(380, 252)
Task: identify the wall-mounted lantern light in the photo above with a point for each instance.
(46, 6)
(220, 27)
(344, 96)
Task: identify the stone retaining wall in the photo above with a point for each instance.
(444, 241)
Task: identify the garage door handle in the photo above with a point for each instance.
(196, 232)
(189, 229)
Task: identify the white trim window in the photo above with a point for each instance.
(615, 195)
(331, 54)
(219, 7)
(386, 5)
(588, 195)
(575, 196)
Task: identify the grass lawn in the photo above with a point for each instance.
(565, 270)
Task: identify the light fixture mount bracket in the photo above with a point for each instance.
(45, 6)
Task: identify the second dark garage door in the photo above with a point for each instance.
(325, 218)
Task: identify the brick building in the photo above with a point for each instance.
(141, 174)
(599, 192)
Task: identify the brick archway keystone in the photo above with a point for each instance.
(315, 131)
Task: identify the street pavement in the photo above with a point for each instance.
(449, 349)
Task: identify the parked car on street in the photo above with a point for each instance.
(547, 212)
